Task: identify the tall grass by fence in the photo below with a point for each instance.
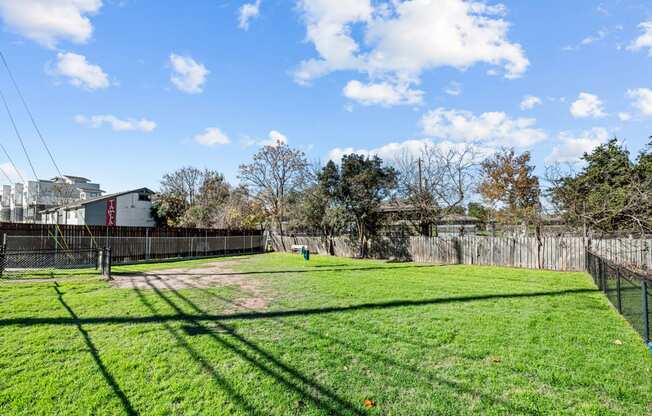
(551, 253)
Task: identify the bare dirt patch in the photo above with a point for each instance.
(210, 275)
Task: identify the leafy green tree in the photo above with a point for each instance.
(213, 192)
(167, 209)
(319, 208)
(479, 211)
(240, 211)
(190, 197)
(364, 183)
(610, 193)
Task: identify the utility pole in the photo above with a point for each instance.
(420, 178)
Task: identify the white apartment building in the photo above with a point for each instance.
(24, 204)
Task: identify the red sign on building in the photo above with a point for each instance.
(110, 211)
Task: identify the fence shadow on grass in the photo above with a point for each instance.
(129, 410)
(310, 269)
(289, 377)
(205, 364)
(266, 362)
(421, 374)
(285, 313)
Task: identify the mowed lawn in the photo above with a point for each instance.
(336, 337)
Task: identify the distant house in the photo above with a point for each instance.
(400, 218)
(457, 225)
(130, 208)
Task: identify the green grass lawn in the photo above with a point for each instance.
(409, 339)
(60, 273)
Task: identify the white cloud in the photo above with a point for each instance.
(624, 116)
(247, 12)
(598, 36)
(384, 93)
(602, 10)
(80, 72)
(587, 105)
(454, 88)
(572, 147)
(13, 174)
(401, 39)
(529, 102)
(392, 151)
(49, 21)
(273, 139)
(642, 100)
(212, 136)
(117, 124)
(491, 128)
(189, 75)
(643, 41)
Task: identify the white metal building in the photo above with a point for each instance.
(130, 208)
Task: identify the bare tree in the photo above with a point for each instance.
(185, 183)
(64, 193)
(436, 181)
(274, 173)
(190, 196)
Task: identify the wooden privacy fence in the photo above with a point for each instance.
(551, 253)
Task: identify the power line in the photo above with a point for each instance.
(20, 139)
(29, 112)
(20, 175)
(6, 176)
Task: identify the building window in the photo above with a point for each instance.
(144, 197)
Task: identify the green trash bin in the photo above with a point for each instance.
(306, 255)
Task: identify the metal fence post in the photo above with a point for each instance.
(619, 302)
(3, 254)
(646, 320)
(106, 272)
(605, 279)
(100, 260)
(147, 242)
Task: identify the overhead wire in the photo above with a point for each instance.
(20, 138)
(29, 112)
(20, 175)
(6, 176)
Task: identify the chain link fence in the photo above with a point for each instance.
(20, 264)
(629, 291)
(23, 256)
(135, 249)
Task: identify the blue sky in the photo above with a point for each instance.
(126, 90)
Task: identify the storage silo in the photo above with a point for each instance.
(5, 207)
(18, 203)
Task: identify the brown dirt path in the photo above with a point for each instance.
(210, 275)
